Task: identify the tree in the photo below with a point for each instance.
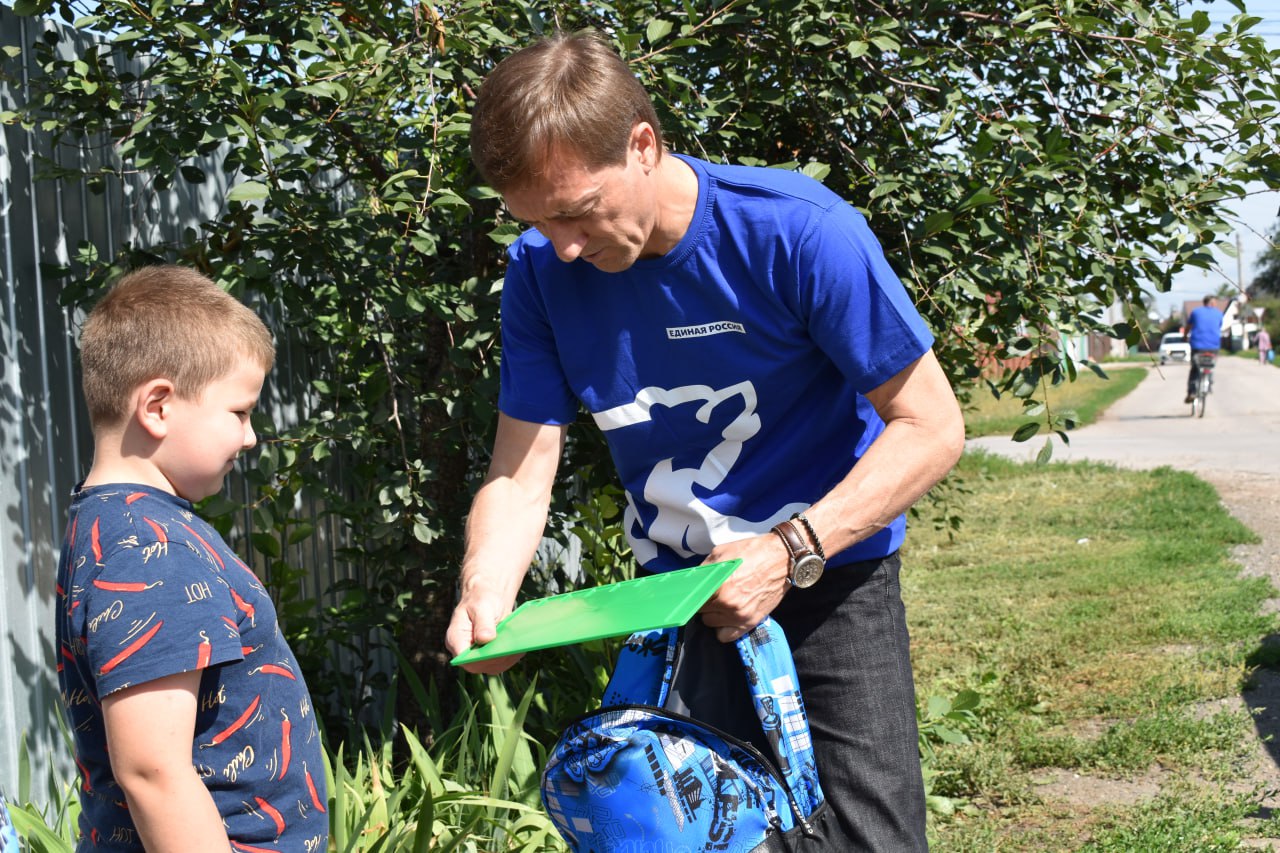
(1267, 281)
(1025, 164)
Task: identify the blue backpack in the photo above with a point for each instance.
(677, 758)
(8, 835)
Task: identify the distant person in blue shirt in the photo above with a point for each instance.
(1204, 332)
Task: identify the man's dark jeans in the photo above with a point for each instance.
(848, 634)
(1193, 376)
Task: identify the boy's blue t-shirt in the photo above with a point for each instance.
(147, 589)
(728, 375)
(1206, 328)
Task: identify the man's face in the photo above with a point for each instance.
(606, 217)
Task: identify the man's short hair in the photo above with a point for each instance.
(570, 90)
(166, 322)
(1209, 299)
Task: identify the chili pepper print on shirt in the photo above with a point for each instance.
(147, 589)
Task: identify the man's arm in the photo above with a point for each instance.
(922, 439)
(504, 527)
(150, 729)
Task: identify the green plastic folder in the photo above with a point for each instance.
(614, 610)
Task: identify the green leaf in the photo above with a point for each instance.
(28, 8)
(657, 30)
(248, 191)
(266, 543)
(1026, 431)
(506, 233)
(300, 531)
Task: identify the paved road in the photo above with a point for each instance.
(1151, 426)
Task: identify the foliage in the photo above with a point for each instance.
(473, 789)
(1082, 402)
(1267, 280)
(1025, 164)
(47, 829)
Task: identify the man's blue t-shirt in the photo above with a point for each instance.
(147, 589)
(728, 375)
(1205, 324)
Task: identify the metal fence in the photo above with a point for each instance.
(45, 444)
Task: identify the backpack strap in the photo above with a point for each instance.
(775, 691)
(642, 675)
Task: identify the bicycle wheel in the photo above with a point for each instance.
(1202, 395)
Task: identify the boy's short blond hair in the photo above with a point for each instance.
(166, 322)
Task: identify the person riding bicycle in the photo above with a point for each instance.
(1204, 331)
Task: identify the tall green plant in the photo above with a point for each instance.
(1025, 164)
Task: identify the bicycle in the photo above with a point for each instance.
(1204, 362)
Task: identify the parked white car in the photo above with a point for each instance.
(1174, 347)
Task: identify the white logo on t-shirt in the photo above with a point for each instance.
(704, 329)
(684, 523)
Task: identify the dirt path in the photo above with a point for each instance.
(1236, 448)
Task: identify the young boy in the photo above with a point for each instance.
(193, 727)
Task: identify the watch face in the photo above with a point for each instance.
(807, 571)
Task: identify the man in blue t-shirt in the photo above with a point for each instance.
(766, 388)
(1204, 333)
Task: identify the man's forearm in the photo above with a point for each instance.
(503, 531)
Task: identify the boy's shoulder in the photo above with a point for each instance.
(113, 517)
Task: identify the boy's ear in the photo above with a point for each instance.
(152, 405)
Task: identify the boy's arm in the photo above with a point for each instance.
(150, 730)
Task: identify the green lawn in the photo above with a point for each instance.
(1097, 614)
(1087, 397)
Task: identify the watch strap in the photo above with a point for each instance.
(796, 546)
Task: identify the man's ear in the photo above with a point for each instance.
(644, 142)
(153, 405)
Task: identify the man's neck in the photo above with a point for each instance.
(677, 198)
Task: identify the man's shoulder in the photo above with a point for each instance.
(783, 182)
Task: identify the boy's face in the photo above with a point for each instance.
(207, 434)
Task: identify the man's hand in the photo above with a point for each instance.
(474, 624)
(753, 590)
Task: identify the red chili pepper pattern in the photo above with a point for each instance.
(272, 669)
(311, 788)
(271, 813)
(240, 723)
(286, 747)
(207, 547)
(249, 609)
(95, 542)
(131, 649)
(204, 651)
(124, 586)
(161, 536)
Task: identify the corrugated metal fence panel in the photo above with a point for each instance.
(45, 443)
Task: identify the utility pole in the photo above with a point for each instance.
(1239, 266)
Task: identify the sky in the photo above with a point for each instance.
(1259, 211)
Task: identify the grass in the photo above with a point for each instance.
(1098, 614)
(1087, 397)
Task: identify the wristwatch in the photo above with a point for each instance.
(806, 566)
